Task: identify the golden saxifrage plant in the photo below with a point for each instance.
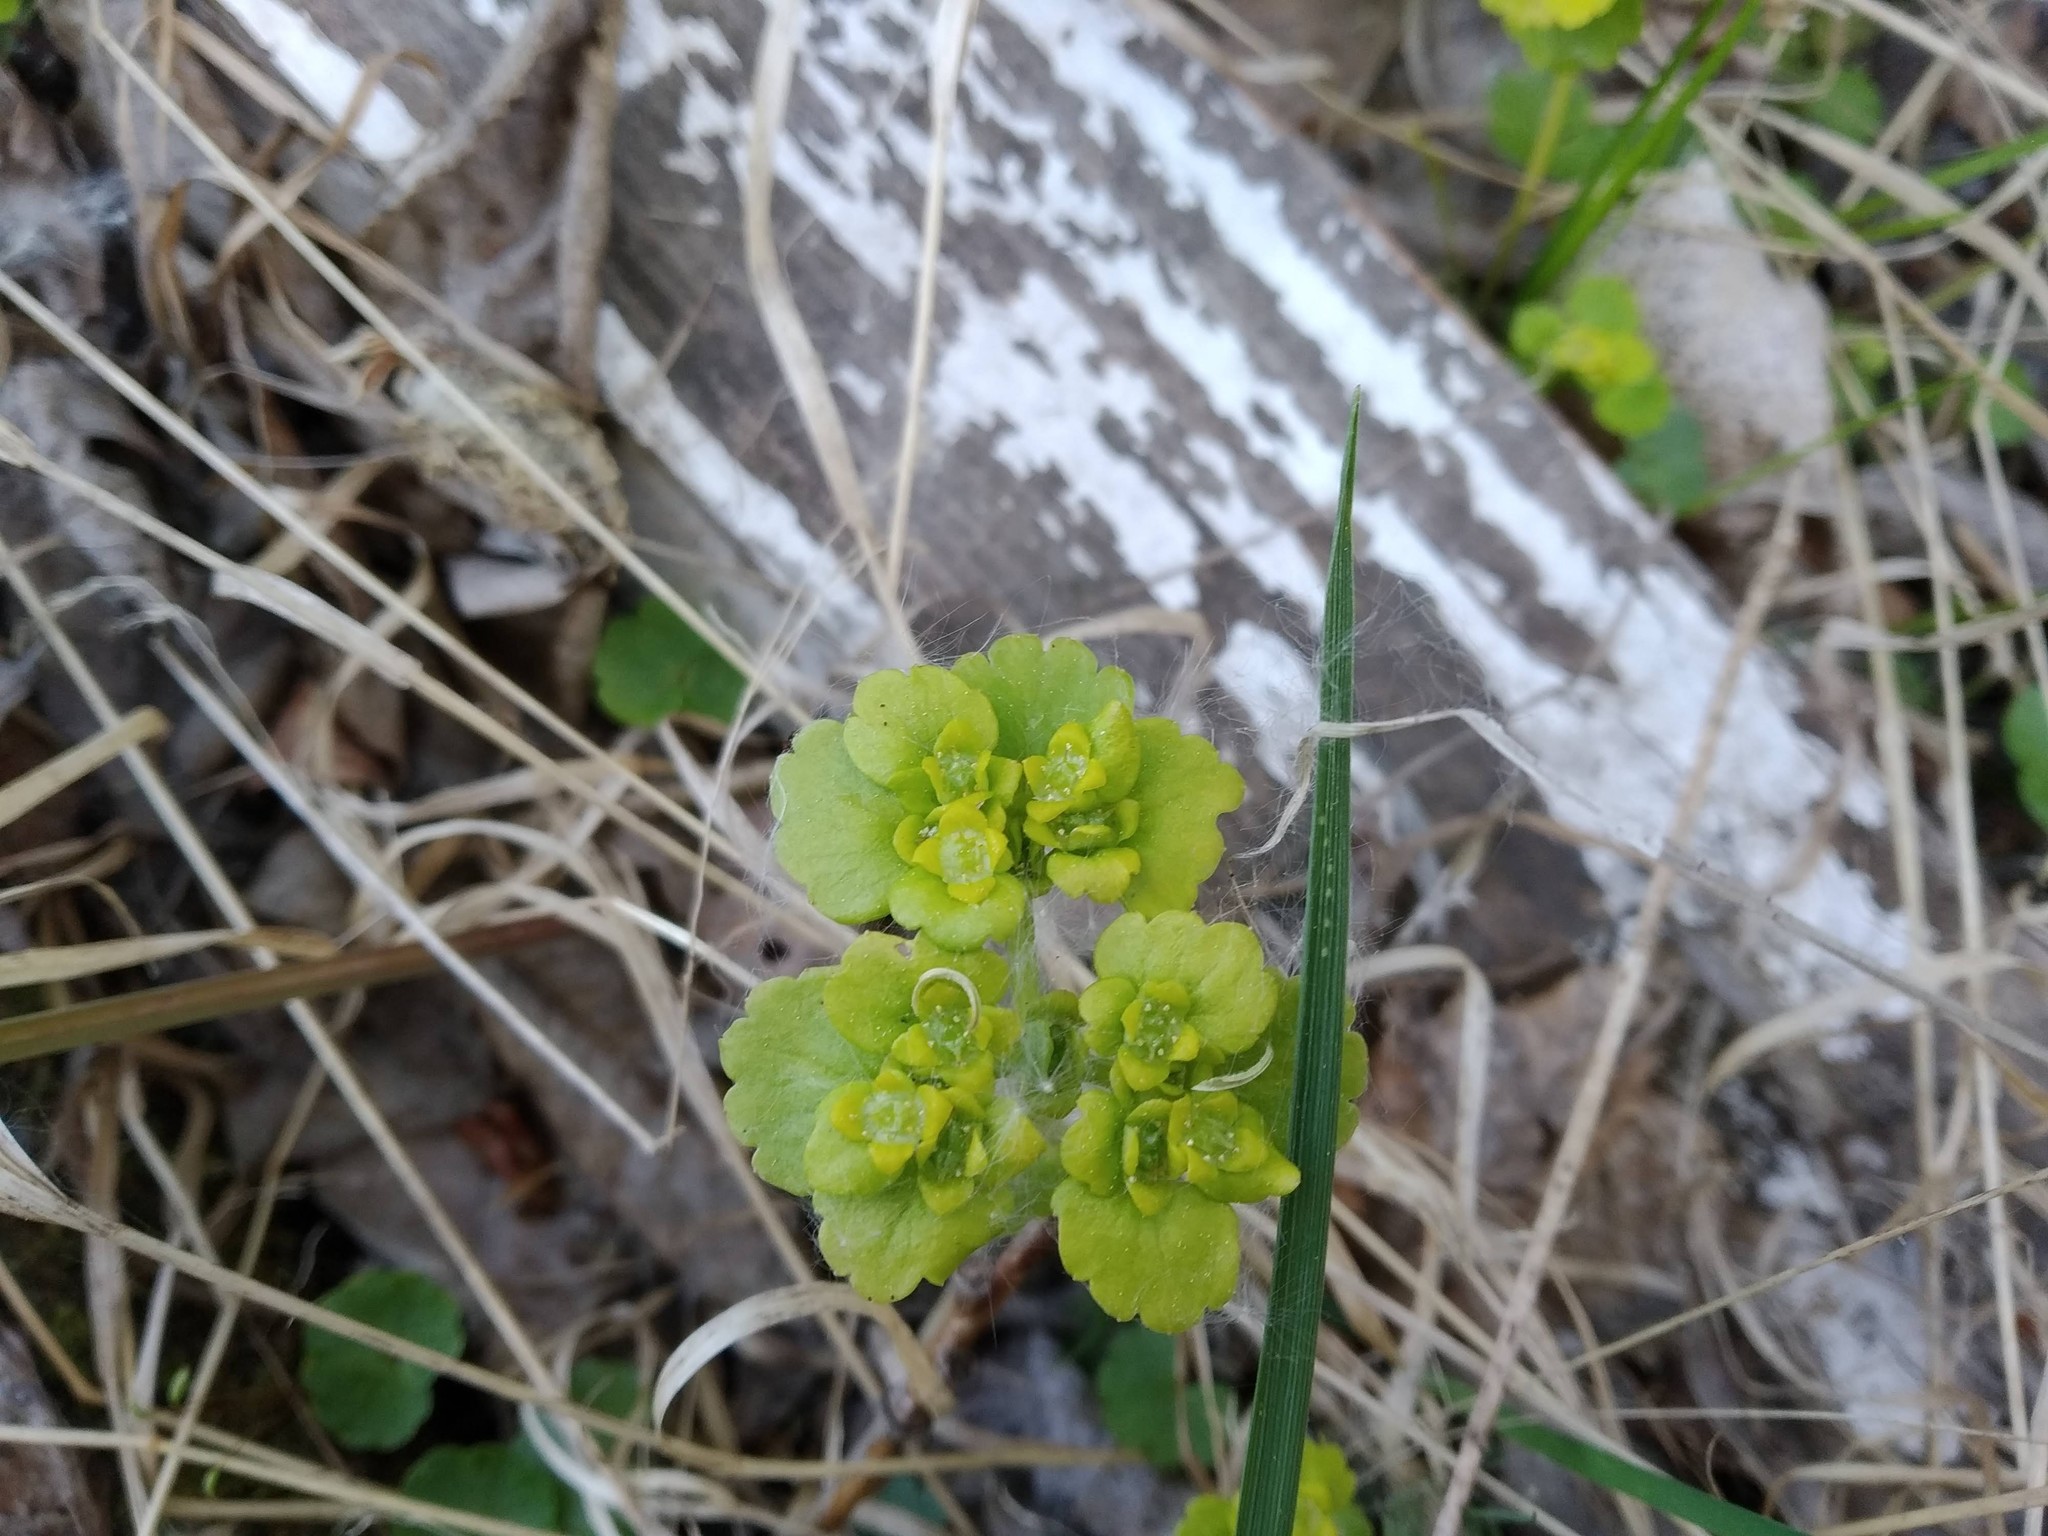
(927, 1093)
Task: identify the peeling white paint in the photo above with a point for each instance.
(863, 389)
(1270, 680)
(497, 15)
(1031, 370)
(1863, 1320)
(756, 514)
(327, 77)
(1053, 381)
(655, 42)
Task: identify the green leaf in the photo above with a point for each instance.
(1534, 330)
(1279, 1424)
(1667, 466)
(1142, 1404)
(1231, 994)
(920, 900)
(897, 718)
(1182, 788)
(1208, 1514)
(503, 1482)
(869, 996)
(1632, 410)
(886, 1244)
(1851, 105)
(1605, 303)
(1271, 1093)
(1165, 1269)
(608, 1385)
(1514, 111)
(835, 828)
(784, 1059)
(2033, 791)
(651, 665)
(365, 1399)
(2007, 430)
(1038, 687)
(1597, 45)
(2024, 730)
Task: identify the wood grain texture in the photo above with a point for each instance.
(1151, 309)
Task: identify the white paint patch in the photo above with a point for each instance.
(500, 16)
(1032, 371)
(864, 390)
(757, 515)
(1270, 680)
(327, 77)
(655, 42)
(1797, 1183)
(1863, 1320)
(1029, 371)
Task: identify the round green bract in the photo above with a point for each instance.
(1166, 1270)
(784, 1059)
(835, 827)
(366, 1399)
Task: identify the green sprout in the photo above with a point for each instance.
(1323, 1502)
(1595, 342)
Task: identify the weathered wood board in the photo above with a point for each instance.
(1152, 307)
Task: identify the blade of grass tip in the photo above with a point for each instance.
(1713, 1515)
(1287, 1354)
(1605, 191)
(1951, 174)
(1682, 1501)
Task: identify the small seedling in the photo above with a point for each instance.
(1595, 343)
(1143, 1407)
(2024, 732)
(502, 1481)
(1667, 466)
(1516, 103)
(365, 1399)
(651, 665)
(1323, 1503)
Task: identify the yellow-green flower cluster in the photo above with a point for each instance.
(930, 1109)
(1566, 15)
(949, 797)
(875, 1086)
(1163, 1143)
(1595, 340)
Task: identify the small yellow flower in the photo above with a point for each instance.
(1602, 359)
(964, 847)
(1568, 15)
(1157, 1034)
(896, 1118)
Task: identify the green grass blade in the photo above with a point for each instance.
(1953, 173)
(1287, 1354)
(1641, 145)
(1682, 1501)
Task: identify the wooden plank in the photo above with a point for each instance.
(1151, 309)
